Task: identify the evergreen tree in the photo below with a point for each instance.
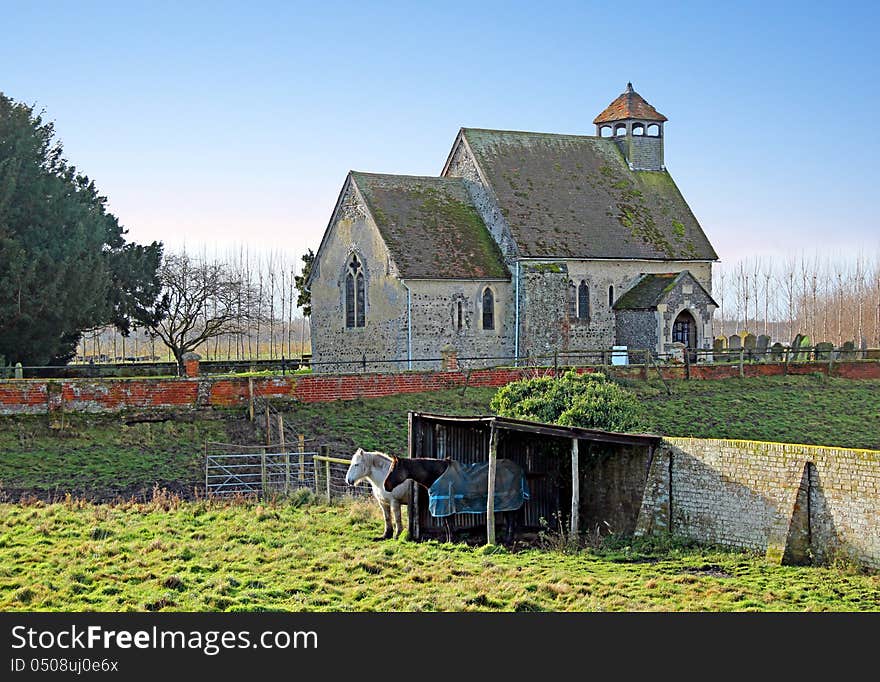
(65, 266)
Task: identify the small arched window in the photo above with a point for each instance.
(488, 309)
(654, 130)
(583, 301)
(611, 296)
(620, 130)
(572, 300)
(459, 314)
(355, 294)
(605, 131)
(638, 129)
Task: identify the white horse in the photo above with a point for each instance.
(374, 467)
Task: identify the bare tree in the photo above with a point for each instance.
(199, 303)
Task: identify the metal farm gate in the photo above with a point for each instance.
(257, 470)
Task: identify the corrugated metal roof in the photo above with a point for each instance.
(556, 430)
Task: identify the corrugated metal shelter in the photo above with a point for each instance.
(603, 496)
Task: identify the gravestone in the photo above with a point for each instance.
(848, 351)
(763, 345)
(795, 347)
(676, 351)
(824, 350)
(734, 343)
(750, 341)
(863, 347)
(19, 371)
(804, 349)
(777, 351)
(718, 344)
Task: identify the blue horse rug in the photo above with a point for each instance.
(463, 488)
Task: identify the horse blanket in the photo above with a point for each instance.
(462, 488)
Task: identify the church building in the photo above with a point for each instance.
(525, 245)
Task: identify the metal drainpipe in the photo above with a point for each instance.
(516, 321)
(408, 325)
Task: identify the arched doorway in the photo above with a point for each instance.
(684, 330)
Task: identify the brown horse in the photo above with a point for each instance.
(425, 471)
(422, 470)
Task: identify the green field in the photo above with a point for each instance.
(168, 555)
(99, 457)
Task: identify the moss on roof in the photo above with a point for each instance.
(652, 289)
(431, 227)
(575, 196)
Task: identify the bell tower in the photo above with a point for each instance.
(637, 129)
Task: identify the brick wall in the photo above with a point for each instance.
(796, 503)
(37, 396)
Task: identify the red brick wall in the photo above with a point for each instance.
(36, 396)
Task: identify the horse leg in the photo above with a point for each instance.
(386, 512)
(395, 509)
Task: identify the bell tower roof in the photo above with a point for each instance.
(629, 105)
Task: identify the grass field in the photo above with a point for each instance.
(99, 457)
(167, 555)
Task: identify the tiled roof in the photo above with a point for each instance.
(573, 196)
(630, 104)
(431, 227)
(650, 290)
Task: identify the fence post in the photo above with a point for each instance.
(687, 363)
(325, 453)
(490, 492)
(206, 467)
(575, 490)
(268, 425)
(263, 471)
(741, 370)
(286, 454)
(302, 456)
(251, 399)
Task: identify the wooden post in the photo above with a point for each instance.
(251, 399)
(575, 489)
(302, 457)
(286, 454)
(325, 453)
(490, 493)
(263, 470)
(206, 468)
(741, 370)
(268, 426)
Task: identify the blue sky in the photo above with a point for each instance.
(223, 124)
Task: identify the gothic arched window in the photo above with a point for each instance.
(583, 301)
(572, 300)
(355, 294)
(611, 296)
(488, 309)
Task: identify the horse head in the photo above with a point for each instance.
(359, 467)
(395, 475)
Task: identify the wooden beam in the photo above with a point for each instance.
(575, 489)
(490, 492)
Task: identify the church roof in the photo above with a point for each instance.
(431, 227)
(650, 290)
(629, 104)
(574, 196)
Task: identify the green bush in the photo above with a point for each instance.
(586, 400)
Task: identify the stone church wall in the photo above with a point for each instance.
(336, 348)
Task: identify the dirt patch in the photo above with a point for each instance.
(710, 570)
